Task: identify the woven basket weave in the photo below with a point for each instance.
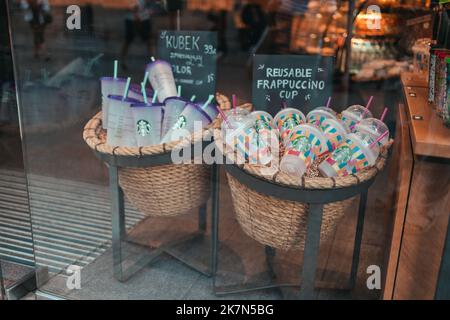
(163, 190)
(279, 223)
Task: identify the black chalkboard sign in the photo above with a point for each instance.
(192, 55)
(303, 82)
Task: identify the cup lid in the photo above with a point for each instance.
(326, 169)
(257, 113)
(364, 142)
(293, 165)
(288, 110)
(147, 105)
(336, 124)
(113, 79)
(175, 98)
(128, 99)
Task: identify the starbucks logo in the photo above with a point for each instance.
(181, 123)
(143, 128)
(342, 155)
(261, 124)
(290, 123)
(301, 144)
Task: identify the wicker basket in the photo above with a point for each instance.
(279, 223)
(163, 190)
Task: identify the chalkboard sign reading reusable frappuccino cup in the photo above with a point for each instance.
(192, 55)
(303, 82)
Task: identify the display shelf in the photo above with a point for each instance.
(428, 134)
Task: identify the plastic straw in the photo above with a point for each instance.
(369, 102)
(116, 65)
(284, 105)
(127, 87)
(384, 114)
(145, 78)
(210, 98)
(224, 117)
(193, 98)
(179, 91)
(329, 102)
(155, 94)
(144, 92)
(234, 102)
(379, 139)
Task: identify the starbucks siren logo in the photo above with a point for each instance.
(181, 122)
(301, 144)
(342, 155)
(143, 128)
(290, 123)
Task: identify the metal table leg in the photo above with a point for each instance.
(119, 231)
(2, 284)
(311, 252)
(202, 217)
(215, 177)
(443, 282)
(358, 238)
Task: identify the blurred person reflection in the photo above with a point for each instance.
(137, 20)
(219, 16)
(173, 6)
(37, 14)
(255, 21)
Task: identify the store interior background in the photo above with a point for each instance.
(66, 186)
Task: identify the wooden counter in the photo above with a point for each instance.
(422, 202)
(429, 136)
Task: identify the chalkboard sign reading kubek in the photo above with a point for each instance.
(303, 82)
(192, 55)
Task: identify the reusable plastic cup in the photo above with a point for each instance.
(334, 131)
(235, 118)
(173, 107)
(121, 122)
(305, 143)
(192, 118)
(263, 120)
(353, 155)
(110, 86)
(135, 92)
(147, 123)
(319, 114)
(354, 114)
(287, 119)
(210, 109)
(375, 128)
(161, 78)
(265, 130)
(243, 139)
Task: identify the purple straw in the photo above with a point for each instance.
(384, 114)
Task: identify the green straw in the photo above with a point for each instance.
(155, 94)
(127, 87)
(144, 92)
(179, 91)
(116, 64)
(193, 98)
(211, 97)
(145, 78)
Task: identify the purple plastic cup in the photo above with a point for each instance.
(192, 119)
(110, 86)
(173, 107)
(161, 78)
(121, 122)
(147, 123)
(135, 92)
